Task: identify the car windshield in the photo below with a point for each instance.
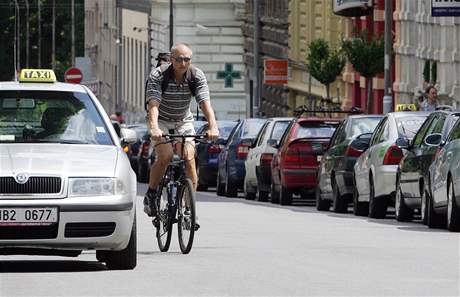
(315, 129)
(252, 128)
(50, 116)
(225, 130)
(408, 126)
(363, 125)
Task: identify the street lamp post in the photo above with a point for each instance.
(387, 98)
(171, 23)
(39, 16)
(73, 32)
(27, 33)
(17, 37)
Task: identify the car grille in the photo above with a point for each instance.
(35, 185)
(29, 232)
(89, 229)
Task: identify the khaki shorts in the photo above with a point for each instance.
(182, 128)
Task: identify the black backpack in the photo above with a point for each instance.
(168, 73)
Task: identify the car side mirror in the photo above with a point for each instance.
(434, 139)
(273, 143)
(128, 135)
(360, 144)
(116, 125)
(248, 142)
(403, 143)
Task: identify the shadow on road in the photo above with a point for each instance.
(43, 266)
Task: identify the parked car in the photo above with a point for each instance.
(133, 149)
(335, 173)
(145, 159)
(294, 167)
(375, 170)
(231, 171)
(257, 164)
(443, 188)
(207, 154)
(412, 172)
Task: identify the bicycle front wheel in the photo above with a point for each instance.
(164, 224)
(187, 216)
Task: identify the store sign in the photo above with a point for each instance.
(352, 8)
(276, 72)
(440, 8)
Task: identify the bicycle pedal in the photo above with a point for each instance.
(156, 222)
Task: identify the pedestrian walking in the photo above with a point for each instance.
(431, 102)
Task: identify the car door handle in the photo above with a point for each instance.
(328, 158)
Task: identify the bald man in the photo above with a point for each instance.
(169, 109)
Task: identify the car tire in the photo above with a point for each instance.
(402, 212)
(144, 173)
(453, 212)
(274, 194)
(126, 258)
(249, 195)
(321, 204)
(201, 187)
(285, 196)
(359, 208)
(433, 219)
(220, 187)
(339, 202)
(377, 206)
(231, 190)
(262, 196)
(424, 207)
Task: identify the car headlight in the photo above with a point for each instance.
(95, 187)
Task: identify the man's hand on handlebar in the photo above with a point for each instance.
(156, 134)
(213, 133)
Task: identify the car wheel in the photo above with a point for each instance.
(144, 173)
(377, 206)
(433, 220)
(274, 194)
(285, 196)
(359, 208)
(220, 187)
(200, 187)
(339, 203)
(262, 196)
(126, 258)
(453, 212)
(248, 193)
(424, 207)
(321, 204)
(402, 212)
(231, 190)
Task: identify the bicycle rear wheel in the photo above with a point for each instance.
(186, 216)
(164, 225)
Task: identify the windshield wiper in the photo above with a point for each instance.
(61, 141)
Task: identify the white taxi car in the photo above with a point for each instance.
(65, 183)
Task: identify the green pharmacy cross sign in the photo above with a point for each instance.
(228, 75)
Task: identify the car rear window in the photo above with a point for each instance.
(363, 125)
(408, 126)
(315, 129)
(278, 129)
(252, 128)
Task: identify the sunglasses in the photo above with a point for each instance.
(182, 59)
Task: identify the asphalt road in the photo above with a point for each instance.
(251, 248)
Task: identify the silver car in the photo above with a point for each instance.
(375, 170)
(66, 185)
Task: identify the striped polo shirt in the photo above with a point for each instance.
(176, 99)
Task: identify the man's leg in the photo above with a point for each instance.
(190, 168)
(163, 155)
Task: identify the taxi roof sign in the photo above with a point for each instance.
(37, 76)
(406, 107)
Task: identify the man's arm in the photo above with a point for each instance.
(155, 131)
(213, 131)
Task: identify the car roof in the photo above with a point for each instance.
(356, 116)
(318, 119)
(281, 119)
(403, 114)
(62, 87)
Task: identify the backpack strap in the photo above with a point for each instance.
(167, 72)
(190, 76)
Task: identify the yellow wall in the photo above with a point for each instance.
(309, 20)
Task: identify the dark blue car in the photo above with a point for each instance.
(207, 154)
(231, 172)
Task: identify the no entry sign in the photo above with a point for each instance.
(73, 75)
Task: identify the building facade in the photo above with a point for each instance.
(273, 44)
(310, 20)
(212, 28)
(421, 42)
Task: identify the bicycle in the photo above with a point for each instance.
(176, 201)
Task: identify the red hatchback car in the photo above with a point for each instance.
(295, 165)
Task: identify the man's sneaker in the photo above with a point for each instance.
(197, 224)
(149, 204)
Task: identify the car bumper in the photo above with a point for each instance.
(264, 175)
(302, 177)
(344, 181)
(102, 223)
(385, 180)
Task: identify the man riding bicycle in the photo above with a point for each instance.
(169, 92)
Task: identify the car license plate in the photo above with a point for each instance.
(318, 158)
(28, 216)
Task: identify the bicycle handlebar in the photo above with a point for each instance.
(197, 136)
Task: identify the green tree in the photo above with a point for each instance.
(324, 64)
(366, 53)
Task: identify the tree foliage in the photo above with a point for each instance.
(63, 35)
(366, 53)
(323, 63)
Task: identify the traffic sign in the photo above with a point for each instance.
(73, 75)
(275, 72)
